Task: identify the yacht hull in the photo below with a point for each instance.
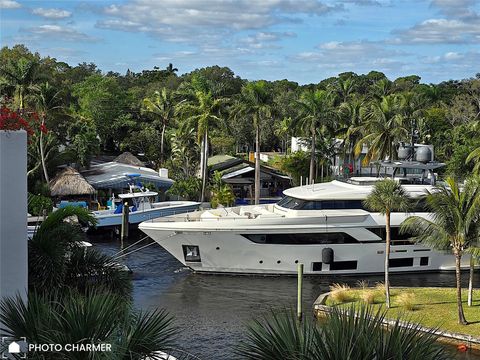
(230, 251)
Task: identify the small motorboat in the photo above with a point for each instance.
(141, 207)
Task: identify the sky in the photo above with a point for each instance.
(300, 40)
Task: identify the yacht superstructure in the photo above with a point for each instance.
(324, 226)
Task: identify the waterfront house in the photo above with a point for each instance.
(240, 174)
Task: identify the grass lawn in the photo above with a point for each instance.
(432, 307)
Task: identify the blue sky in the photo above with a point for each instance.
(301, 40)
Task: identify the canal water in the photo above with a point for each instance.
(212, 310)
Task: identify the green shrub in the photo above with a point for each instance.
(38, 203)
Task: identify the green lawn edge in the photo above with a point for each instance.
(433, 307)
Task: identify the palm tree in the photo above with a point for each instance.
(203, 113)
(97, 318)
(316, 114)
(255, 104)
(345, 88)
(352, 114)
(56, 259)
(170, 69)
(47, 100)
(386, 197)
(382, 88)
(354, 334)
(452, 226)
(184, 147)
(384, 126)
(20, 75)
(474, 251)
(283, 129)
(162, 106)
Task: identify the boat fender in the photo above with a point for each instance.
(327, 255)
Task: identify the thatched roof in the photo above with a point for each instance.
(129, 159)
(70, 182)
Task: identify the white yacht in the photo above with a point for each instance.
(324, 226)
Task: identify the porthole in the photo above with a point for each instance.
(261, 261)
(296, 261)
(217, 248)
(278, 262)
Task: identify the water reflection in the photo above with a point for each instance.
(211, 310)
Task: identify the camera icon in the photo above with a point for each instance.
(14, 348)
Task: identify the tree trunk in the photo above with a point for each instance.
(205, 166)
(458, 261)
(387, 258)
(257, 164)
(470, 281)
(162, 139)
(312, 158)
(202, 154)
(42, 156)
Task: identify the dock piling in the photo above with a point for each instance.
(124, 230)
(299, 291)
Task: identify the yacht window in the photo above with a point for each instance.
(316, 266)
(298, 204)
(302, 239)
(343, 265)
(397, 237)
(400, 262)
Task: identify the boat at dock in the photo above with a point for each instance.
(141, 207)
(325, 226)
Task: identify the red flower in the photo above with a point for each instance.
(43, 129)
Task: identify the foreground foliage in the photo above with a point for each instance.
(73, 318)
(342, 336)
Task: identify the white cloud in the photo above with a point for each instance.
(455, 8)
(9, 4)
(265, 39)
(54, 14)
(352, 55)
(439, 31)
(58, 32)
(186, 19)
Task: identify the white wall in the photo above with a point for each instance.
(13, 213)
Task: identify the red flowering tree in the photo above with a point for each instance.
(11, 120)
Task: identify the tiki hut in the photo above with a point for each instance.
(129, 159)
(69, 183)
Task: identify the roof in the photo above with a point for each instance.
(431, 165)
(129, 159)
(222, 162)
(114, 175)
(70, 182)
(231, 166)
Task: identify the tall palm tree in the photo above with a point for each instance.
(316, 115)
(411, 107)
(354, 334)
(474, 251)
(47, 100)
(255, 104)
(352, 114)
(386, 197)
(382, 88)
(21, 76)
(163, 107)
(203, 113)
(453, 225)
(99, 317)
(383, 127)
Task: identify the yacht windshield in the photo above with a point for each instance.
(289, 202)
